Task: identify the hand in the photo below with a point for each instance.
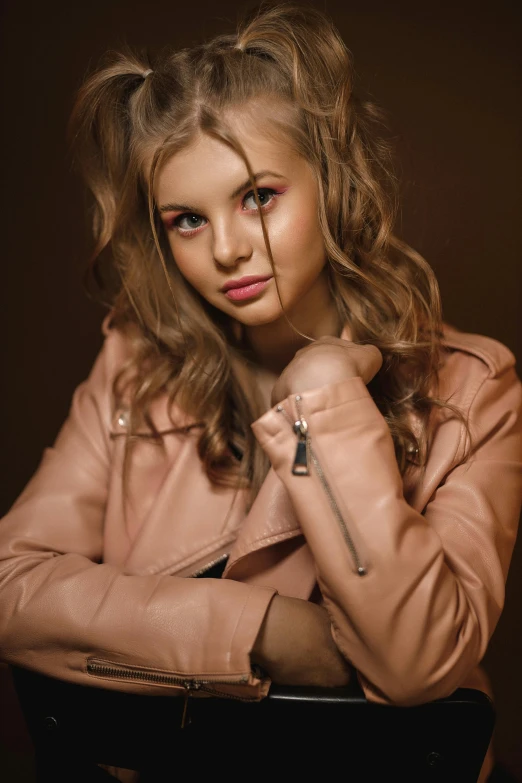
(295, 646)
(327, 360)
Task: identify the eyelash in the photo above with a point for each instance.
(187, 232)
(261, 191)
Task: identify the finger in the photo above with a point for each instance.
(374, 357)
(278, 393)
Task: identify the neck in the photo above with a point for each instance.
(274, 345)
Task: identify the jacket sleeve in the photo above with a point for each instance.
(413, 597)
(69, 615)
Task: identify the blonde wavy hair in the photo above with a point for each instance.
(131, 110)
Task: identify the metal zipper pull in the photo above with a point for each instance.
(185, 709)
(300, 466)
(190, 685)
(301, 463)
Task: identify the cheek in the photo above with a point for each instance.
(310, 233)
(186, 259)
(309, 227)
(302, 241)
(303, 222)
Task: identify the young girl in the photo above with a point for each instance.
(277, 409)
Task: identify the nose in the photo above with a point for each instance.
(230, 243)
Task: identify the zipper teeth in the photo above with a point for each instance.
(162, 679)
(361, 570)
(335, 508)
(210, 565)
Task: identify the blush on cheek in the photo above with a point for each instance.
(303, 223)
(305, 228)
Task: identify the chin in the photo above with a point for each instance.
(256, 313)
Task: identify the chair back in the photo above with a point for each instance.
(294, 731)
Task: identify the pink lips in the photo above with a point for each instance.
(246, 287)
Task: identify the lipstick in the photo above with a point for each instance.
(246, 287)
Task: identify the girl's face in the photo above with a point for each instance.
(212, 223)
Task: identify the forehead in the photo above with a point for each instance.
(207, 162)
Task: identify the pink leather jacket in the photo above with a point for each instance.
(93, 583)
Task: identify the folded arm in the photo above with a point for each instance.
(413, 598)
(69, 615)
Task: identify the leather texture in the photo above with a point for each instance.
(94, 587)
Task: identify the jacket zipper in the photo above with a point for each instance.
(305, 454)
(210, 565)
(106, 669)
(102, 668)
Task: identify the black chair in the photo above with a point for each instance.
(294, 731)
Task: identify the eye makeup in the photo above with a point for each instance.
(188, 224)
(270, 193)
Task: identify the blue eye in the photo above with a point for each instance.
(265, 196)
(188, 222)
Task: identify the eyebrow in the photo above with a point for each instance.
(244, 185)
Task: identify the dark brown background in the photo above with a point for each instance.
(449, 76)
